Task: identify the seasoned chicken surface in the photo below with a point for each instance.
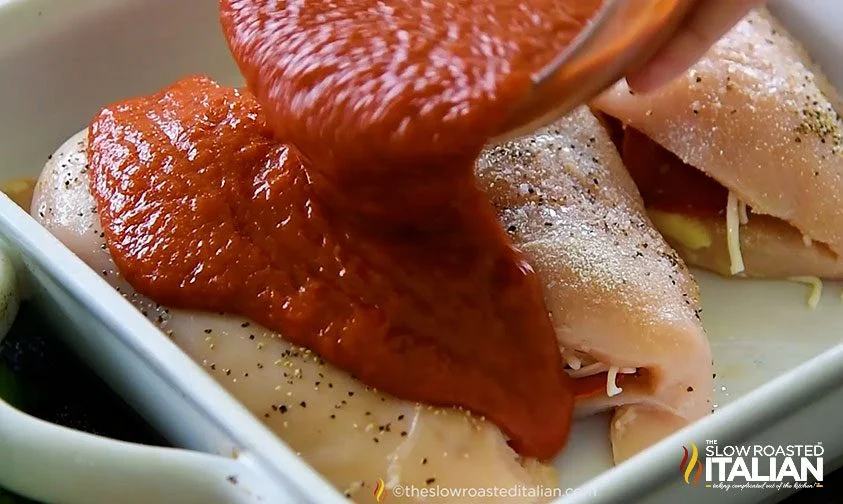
(761, 119)
(619, 296)
(620, 299)
(351, 434)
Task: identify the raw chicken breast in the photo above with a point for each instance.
(351, 434)
(620, 298)
(757, 116)
(770, 247)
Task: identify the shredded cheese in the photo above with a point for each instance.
(590, 370)
(577, 370)
(743, 213)
(612, 388)
(733, 239)
(816, 289)
(571, 360)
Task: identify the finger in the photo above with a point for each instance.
(707, 22)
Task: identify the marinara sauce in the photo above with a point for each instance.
(335, 200)
(667, 183)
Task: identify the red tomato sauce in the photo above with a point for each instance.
(335, 201)
(665, 182)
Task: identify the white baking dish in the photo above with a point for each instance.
(780, 371)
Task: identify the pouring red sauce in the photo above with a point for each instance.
(369, 241)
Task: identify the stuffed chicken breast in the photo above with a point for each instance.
(740, 161)
(350, 433)
(624, 308)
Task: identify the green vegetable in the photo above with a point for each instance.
(10, 388)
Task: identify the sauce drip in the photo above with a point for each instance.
(335, 201)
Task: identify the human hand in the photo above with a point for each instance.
(706, 23)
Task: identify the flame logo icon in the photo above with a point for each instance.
(380, 488)
(687, 467)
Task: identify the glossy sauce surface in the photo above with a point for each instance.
(369, 241)
(409, 81)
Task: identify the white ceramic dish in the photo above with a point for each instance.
(779, 367)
